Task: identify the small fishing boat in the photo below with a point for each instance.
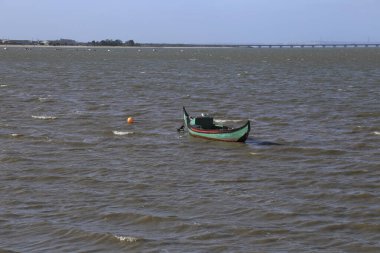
(204, 127)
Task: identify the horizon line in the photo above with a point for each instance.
(207, 43)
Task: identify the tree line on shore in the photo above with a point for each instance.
(106, 42)
(109, 42)
(69, 42)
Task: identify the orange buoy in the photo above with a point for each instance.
(130, 120)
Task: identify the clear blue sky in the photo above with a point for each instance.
(192, 21)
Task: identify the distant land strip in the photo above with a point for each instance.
(132, 43)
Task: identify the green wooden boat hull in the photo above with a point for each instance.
(219, 133)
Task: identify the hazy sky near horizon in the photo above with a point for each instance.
(192, 21)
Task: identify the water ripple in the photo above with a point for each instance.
(75, 177)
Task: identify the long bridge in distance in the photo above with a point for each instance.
(316, 45)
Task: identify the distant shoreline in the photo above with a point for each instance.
(179, 46)
(140, 46)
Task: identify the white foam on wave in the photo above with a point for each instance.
(126, 238)
(122, 132)
(44, 117)
(45, 99)
(376, 133)
(3, 85)
(16, 135)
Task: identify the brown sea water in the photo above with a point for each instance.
(75, 177)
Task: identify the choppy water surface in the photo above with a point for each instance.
(74, 177)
